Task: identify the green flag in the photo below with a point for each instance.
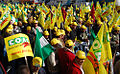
(42, 47)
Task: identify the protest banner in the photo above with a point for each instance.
(18, 46)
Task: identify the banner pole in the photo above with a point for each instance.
(27, 63)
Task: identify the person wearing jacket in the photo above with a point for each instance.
(76, 66)
(66, 57)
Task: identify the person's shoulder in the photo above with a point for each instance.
(42, 71)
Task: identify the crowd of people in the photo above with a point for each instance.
(71, 40)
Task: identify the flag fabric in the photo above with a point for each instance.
(64, 13)
(41, 19)
(44, 9)
(106, 44)
(98, 53)
(5, 18)
(92, 37)
(93, 13)
(48, 22)
(53, 17)
(42, 47)
(59, 16)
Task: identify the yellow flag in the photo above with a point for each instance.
(59, 16)
(41, 19)
(5, 18)
(48, 22)
(92, 62)
(99, 53)
(44, 9)
(106, 44)
(53, 17)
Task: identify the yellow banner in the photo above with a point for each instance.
(18, 46)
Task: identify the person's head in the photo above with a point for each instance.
(54, 42)
(58, 34)
(80, 57)
(68, 29)
(105, 19)
(99, 23)
(25, 22)
(83, 28)
(35, 23)
(23, 69)
(80, 21)
(88, 22)
(62, 33)
(116, 30)
(15, 24)
(19, 23)
(46, 34)
(30, 19)
(36, 64)
(28, 29)
(69, 44)
(73, 25)
(9, 31)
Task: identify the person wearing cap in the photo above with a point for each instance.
(59, 36)
(36, 27)
(82, 37)
(97, 26)
(52, 60)
(81, 34)
(36, 66)
(46, 35)
(9, 31)
(67, 31)
(115, 40)
(73, 32)
(76, 66)
(55, 29)
(31, 36)
(66, 57)
(16, 28)
(22, 27)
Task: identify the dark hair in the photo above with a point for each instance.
(20, 69)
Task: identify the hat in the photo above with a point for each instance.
(69, 43)
(46, 33)
(28, 28)
(54, 41)
(68, 29)
(80, 54)
(74, 23)
(99, 22)
(25, 21)
(80, 19)
(37, 61)
(63, 32)
(35, 21)
(9, 30)
(105, 19)
(117, 28)
(10, 26)
(55, 28)
(58, 33)
(15, 23)
(83, 27)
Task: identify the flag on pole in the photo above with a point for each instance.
(42, 47)
(99, 53)
(5, 18)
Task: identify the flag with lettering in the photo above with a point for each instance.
(42, 47)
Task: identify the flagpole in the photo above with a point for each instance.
(27, 63)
